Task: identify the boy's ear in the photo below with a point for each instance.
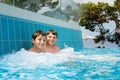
(33, 40)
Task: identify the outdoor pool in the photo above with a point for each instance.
(86, 64)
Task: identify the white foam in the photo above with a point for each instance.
(98, 57)
(24, 58)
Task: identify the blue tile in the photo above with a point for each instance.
(29, 33)
(0, 18)
(18, 45)
(0, 43)
(6, 47)
(41, 27)
(6, 50)
(0, 32)
(1, 53)
(35, 26)
(23, 44)
(1, 48)
(12, 46)
(31, 29)
(26, 31)
(11, 29)
(23, 31)
(4, 29)
(22, 28)
(27, 45)
(17, 29)
(5, 43)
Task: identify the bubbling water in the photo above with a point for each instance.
(33, 59)
(91, 64)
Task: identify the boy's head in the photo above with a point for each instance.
(53, 32)
(38, 39)
(51, 37)
(36, 34)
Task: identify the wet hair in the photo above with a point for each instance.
(53, 32)
(37, 33)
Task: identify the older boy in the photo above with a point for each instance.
(50, 43)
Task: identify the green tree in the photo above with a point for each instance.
(93, 16)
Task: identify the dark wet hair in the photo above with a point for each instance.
(53, 32)
(37, 33)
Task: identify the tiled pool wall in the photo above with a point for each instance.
(15, 33)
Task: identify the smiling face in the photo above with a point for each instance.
(39, 42)
(51, 38)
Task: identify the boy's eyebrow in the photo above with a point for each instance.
(52, 33)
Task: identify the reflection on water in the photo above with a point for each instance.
(88, 64)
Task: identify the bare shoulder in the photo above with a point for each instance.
(57, 48)
(30, 49)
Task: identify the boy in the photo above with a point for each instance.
(50, 43)
(38, 41)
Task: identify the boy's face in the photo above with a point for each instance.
(39, 42)
(51, 39)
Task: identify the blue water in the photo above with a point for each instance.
(87, 64)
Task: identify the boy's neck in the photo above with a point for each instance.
(50, 46)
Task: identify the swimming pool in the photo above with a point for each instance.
(87, 64)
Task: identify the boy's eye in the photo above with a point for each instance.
(54, 37)
(49, 36)
(39, 39)
(44, 40)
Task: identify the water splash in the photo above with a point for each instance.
(68, 64)
(27, 58)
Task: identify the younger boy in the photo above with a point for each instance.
(38, 41)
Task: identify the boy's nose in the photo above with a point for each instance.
(51, 38)
(42, 41)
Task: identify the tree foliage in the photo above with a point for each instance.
(93, 16)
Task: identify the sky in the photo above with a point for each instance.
(111, 2)
(110, 26)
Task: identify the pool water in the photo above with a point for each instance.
(86, 64)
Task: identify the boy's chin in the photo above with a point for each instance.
(51, 44)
